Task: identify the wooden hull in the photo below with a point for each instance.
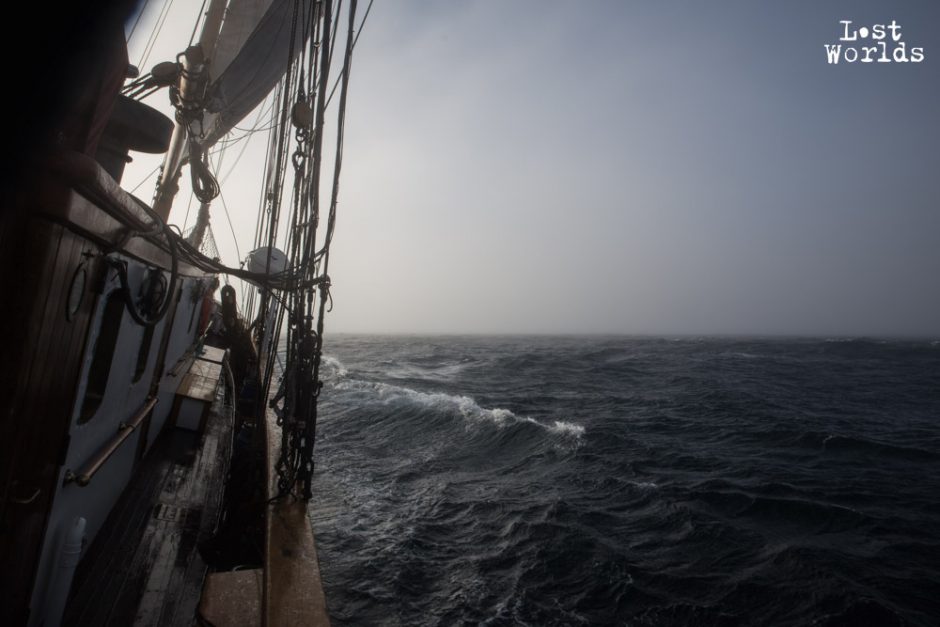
(95, 433)
(63, 400)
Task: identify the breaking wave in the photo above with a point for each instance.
(593, 481)
(371, 392)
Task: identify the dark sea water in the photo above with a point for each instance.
(593, 481)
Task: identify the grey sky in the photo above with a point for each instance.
(634, 167)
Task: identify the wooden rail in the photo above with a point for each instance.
(293, 591)
(84, 476)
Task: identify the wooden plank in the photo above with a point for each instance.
(232, 599)
(293, 591)
(90, 218)
(42, 403)
(144, 567)
(212, 353)
(198, 388)
(208, 369)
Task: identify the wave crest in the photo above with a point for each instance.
(332, 368)
(461, 405)
(566, 428)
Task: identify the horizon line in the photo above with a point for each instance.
(650, 335)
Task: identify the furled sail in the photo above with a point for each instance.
(250, 57)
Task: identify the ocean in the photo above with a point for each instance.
(629, 481)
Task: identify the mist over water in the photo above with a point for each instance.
(585, 480)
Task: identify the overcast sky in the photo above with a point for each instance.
(628, 167)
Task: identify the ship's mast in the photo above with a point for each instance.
(193, 79)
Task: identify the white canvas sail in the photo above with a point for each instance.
(242, 17)
(249, 59)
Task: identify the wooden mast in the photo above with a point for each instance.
(192, 83)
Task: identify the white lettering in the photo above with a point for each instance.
(895, 30)
(886, 45)
(846, 37)
(884, 58)
(903, 50)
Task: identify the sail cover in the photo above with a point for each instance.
(249, 59)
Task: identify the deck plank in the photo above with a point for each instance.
(212, 353)
(144, 567)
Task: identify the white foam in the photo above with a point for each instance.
(566, 428)
(333, 367)
(472, 411)
(465, 406)
(446, 372)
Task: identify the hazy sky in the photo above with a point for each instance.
(629, 167)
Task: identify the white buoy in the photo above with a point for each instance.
(259, 259)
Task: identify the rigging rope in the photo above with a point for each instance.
(365, 16)
(202, 13)
(294, 298)
(155, 33)
(143, 9)
(306, 292)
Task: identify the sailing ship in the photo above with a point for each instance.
(157, 458)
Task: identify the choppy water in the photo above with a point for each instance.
(573, 480)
